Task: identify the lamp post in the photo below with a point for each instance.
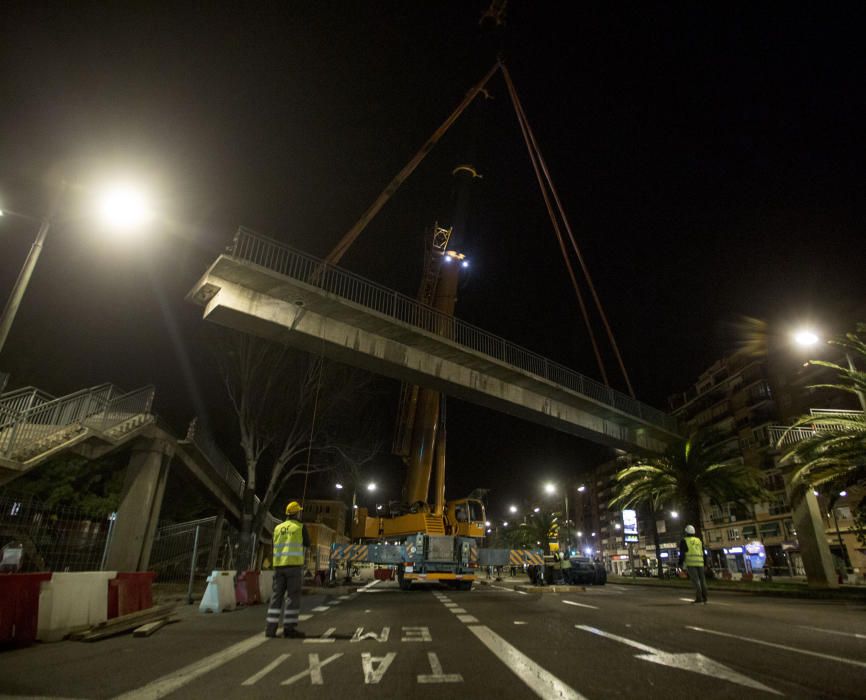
(120, 207)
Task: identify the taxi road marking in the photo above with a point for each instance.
(256, 677)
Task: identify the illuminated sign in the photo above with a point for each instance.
(629, 526)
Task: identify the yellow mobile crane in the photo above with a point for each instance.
(440, 538)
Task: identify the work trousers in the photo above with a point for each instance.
(287, 583)
(699, 580)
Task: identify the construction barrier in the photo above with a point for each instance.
(19, 607)
(219, 595)
(130, 592)
(266, 584)
(72, 601)
(247, 588)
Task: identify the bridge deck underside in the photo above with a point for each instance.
(244, 296)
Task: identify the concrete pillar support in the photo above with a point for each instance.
(812, 537)
(140, 504)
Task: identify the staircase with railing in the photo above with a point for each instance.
(35, 425)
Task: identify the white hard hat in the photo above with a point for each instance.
(690, 529)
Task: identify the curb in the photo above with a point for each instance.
(807, 594)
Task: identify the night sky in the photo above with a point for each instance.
(710, 160)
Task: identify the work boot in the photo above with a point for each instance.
(271, 631)
(293, 633)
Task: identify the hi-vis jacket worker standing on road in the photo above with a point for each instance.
(290, 538)
(692, 555)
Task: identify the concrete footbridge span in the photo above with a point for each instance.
(269, 289)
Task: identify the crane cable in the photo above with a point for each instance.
(524, 128)
(533, 147)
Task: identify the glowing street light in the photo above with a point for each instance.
(512, 509)
(371, 486)
(549, 488)
(338, 486)
(119, 207)
(806, 337)
(674, 514)
(843, 493)
(536, 510)
(486, 523)
(505, 524)
(124, 208)
(581, 488)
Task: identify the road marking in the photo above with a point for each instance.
(830, 657)
(459, 611)
(334, 602)
(321, 608)
(521, 592)
(416, 634)
(844, 634)
(364, 589)
(314, 671)
(326, 638)
(503, 588)
(436, 675)
(691, 600)
(697, 663)
(373, 674)
(304, 617)
(540, 680)
(450, 605)
(467, 618)
(345, 597)
(520, 622)
(171, 682)
(360, 635)
(256, 677)
(580, 605)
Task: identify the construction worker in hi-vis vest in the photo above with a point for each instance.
(692, 555)
(290, 538)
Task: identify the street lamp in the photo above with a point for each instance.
(512, 509)
(118, 207)
(674, 514)
(338, 486)
(549, 488)
(371, 486)
(806, 337)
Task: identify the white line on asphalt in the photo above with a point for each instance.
(503, 588)
(458, 611)
(449, 605)
(540, 680)
(830, 657)
(520, 622)
(692, 600)
(304, 617)
(256, 677)
(345, 597)
(467, 618)
(321, 608)
(580, 605)
(170, 683)
(369, 585)
(844, 634)
(522, 592)
(694, 662)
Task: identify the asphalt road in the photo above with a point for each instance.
(611, 641)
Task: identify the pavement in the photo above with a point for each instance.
(494, 641)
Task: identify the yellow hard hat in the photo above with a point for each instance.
(293, 507)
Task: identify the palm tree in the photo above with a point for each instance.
(837, 449)
(537, 529)
(690, 471)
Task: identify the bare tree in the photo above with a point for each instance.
(286, 404)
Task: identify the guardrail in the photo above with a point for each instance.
(791, 436)
(99, 408)
(205, 444)
(260, 250)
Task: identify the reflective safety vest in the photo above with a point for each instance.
(694, 551)
(566, 564)
(289, 544)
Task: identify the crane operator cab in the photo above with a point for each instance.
(466, 517)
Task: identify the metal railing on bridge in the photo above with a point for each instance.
(30, 417)
(260, 250)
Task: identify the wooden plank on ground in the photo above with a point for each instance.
(149, 628)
